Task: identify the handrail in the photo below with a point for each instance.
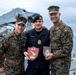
(73, 69)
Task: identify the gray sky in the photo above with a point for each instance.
(67, 9)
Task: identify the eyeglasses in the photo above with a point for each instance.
(21, 25)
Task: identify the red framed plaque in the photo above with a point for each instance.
(33, 53)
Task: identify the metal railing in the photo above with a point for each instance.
(73, 71)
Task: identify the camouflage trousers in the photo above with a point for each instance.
(59, 72)
(14, 67)
(59, 69)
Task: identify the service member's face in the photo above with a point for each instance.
(38, 24)
(55, 17)
(19, 28)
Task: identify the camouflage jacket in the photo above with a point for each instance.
(11, 46)
(61, 37)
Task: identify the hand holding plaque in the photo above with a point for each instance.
(33, 53)
(46, 50)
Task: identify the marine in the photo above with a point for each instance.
(11, 45)
(61, 42)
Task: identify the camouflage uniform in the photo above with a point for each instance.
(61, 37)
(11, 46)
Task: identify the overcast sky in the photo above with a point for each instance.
(67, 9)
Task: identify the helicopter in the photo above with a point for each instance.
(8, 20)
